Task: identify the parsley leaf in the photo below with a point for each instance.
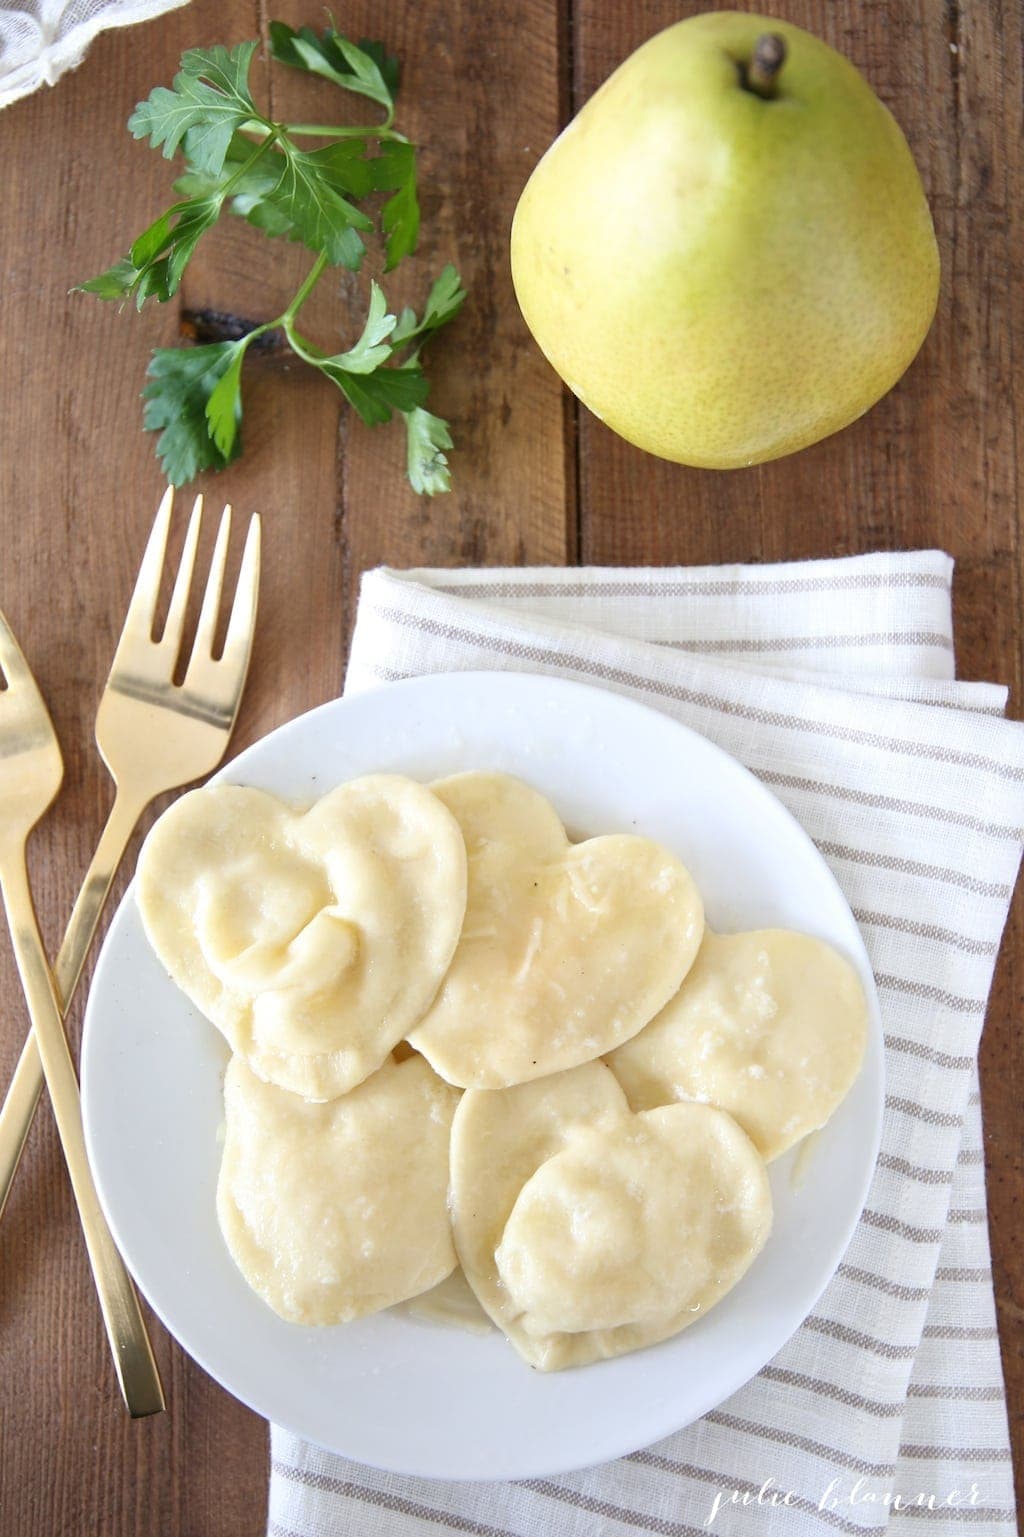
(224, 405)
(116, 283)
(395, 168)
(444, 301)
(364, 68)
(153, 267)
(387, 63)
(373, 347)
(208, 102)
(246, 172)
(181, 383)
(376, 395)
(364, 76)
(343, 166)
(226, 69)
(191, 220)
(265, 190)
(427, 437)
(308, 198)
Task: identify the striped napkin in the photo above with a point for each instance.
(834, 682)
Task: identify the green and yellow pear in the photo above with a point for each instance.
(728, 254)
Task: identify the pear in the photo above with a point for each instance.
(727, 254)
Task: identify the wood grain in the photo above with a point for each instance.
(485, 88)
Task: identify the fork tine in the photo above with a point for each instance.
(142, 607)
(183, 580)
(207, 626)
(13, 665)
(242, 624)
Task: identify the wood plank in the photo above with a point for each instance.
(480, 95)
(936, 463)
(80, 482)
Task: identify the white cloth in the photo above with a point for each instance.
(41, 39)
(834, 682)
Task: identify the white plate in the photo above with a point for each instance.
(392, 1391)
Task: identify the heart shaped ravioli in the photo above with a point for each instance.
(587, 1231)
(769, 1025)
(313, 941)
(332, 1211)
(567, 949)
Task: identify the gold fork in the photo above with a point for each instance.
(30, 774)
(153, 735)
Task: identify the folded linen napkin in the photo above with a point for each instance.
(834, 682)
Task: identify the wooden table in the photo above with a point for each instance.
(487, 83)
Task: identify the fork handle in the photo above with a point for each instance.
(23, 1093)
(133, 1356)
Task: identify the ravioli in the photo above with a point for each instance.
(313, 941)
(567, 949)
(332, 1211)
(770, 1025)
(587, 1231)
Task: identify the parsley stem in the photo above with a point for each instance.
(306, 350)
(250, 336)
(325, 131)
(246, 165)
(303, 293)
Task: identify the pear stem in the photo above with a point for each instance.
(763, 69)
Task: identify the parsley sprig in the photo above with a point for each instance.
(237, 157)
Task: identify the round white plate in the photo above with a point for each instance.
(418, 1397)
